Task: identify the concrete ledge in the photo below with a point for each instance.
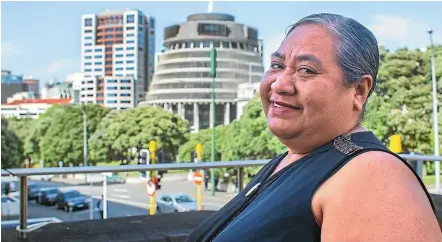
(163, 227)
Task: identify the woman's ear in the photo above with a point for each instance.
(362, 89)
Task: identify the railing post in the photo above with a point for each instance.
(23, 207)
(240, 179)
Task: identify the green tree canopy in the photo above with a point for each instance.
(12, 153)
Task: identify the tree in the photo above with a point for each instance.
(11, 147)
(63, 140)
(134, 128)
(100, 146)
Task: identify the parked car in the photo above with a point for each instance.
(115, 178)
(72, 200)
(10, 206)
(33, 190)
(169, 203)
(47, 196)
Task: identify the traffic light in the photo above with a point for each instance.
(213, 62)
(144, 154)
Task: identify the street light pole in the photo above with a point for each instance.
(435, 121)
(85, 157)
(213, 74)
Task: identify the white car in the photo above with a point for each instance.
(10, 206)
(169, 203)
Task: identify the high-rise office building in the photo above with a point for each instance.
(13, 84)
(182, 81)
(117, 47)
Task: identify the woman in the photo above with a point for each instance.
(337, 181)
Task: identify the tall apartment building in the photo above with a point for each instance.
(12, 84)
(117, 50)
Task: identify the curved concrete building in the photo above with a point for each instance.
(182, 81)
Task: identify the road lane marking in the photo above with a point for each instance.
(120, 196)
(120, 190)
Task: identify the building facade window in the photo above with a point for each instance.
(98, 63)
(111, 94)
(98, 56)
(130, 35)
(87, 63)
(130, 61)
(125, 94)
(88, 31)
(130, 42)
(88, 57)
(111, 101)
(124, 101)
(112, 81)
(125, 81)
(119, 55)
(119, 68)
(88, 37)
(130, 68)
(130, 28)
(130, 48)
(130, 19)
(98, 69)
(111, 88)
(98, 50)
(125, 88)
(88, 50)
(119, 49)
(130, 55)
(88, 22)
(87, 70)
(118, 62)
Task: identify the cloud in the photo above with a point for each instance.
(10, 49)
(397, 31)
(61, 65)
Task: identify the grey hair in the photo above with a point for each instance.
(357, 49)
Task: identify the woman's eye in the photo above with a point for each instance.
(276, 66)
(305, 70)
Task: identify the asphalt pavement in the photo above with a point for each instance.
(129, 199)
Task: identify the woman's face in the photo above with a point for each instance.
(303, 91)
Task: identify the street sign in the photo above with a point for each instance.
(151, 188)
(198, 178)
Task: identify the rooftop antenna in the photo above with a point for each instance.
(210, 7)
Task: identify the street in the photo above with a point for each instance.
(123, 199)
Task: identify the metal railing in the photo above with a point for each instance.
(23, 173)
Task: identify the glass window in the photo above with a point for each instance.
(226, 44)
(130, 48)
(88, 37)
(87, 64)
(130, 68)
(130, 28)
(112, 81)
(140, 48)
(88, 57)
(206, 44)
(87, 70)
(130, 19)
(111, 88)
(98, 50)
(111, 94)
(98, 56)
(98, 63)
(119, 55)
(129, 61)
(124, 101)
(119, 75)
(88, 31)
(119, 49)
(234, 45)
(125, 88)
(88, 22)
(119, 29)
(109, 30)
(89, 50)
(119, 36)
(109, 43)
(130, 55)
(119, 68)
(98, 69)
(99, 101)
(125, 81)
(119, 62)
(125, 94)
(111, 101)
(216, 44)
(108, 63)
(88, 44)
(197, 44)
(130, 35)
(130, 41)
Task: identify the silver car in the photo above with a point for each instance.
(170, 203)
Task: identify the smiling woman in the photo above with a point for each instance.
(337, 181)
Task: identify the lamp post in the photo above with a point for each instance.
(213, 74)
(435, 121)
(84, 136)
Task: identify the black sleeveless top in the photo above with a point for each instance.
(278, 208)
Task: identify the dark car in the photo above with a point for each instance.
(72, 200)
(47, 196)
(33, 191)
